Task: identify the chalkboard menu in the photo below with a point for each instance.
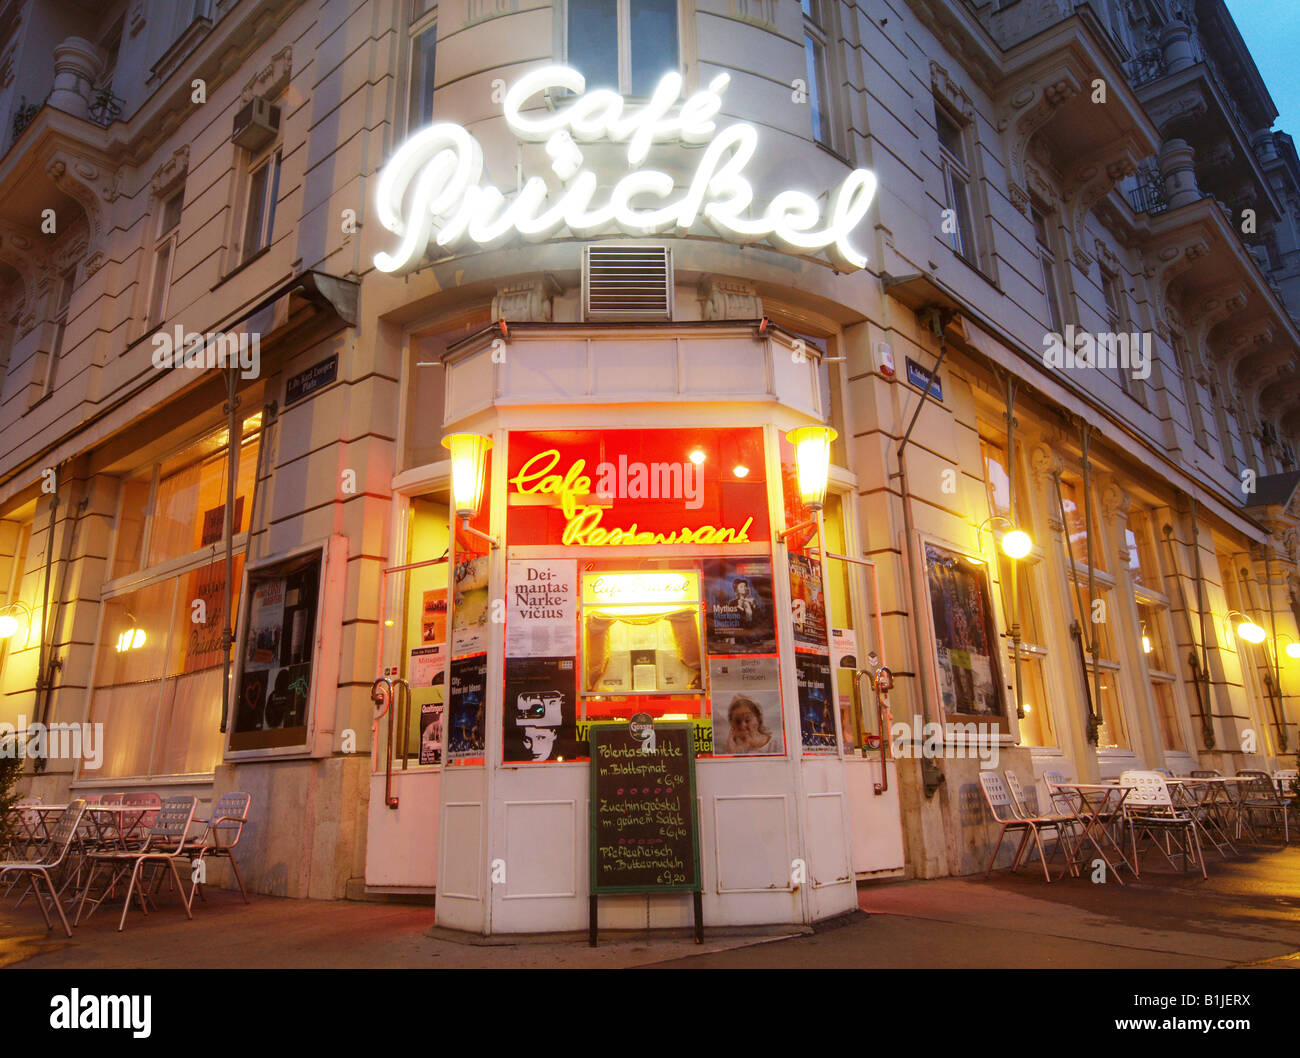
(644, 833)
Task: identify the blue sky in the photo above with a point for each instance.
(1271, 30)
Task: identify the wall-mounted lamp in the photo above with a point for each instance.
(9, 624)
(1146, 639)
(1292, 648)
(1248, 629)
(1016, 543)
(468, 465)
(812, 462)
(132, 637)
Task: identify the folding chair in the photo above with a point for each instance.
(1004, 811)
(225, 828)
(1206, 773)
(1150, 811)
(165, 842)
(135, 828)
(1260, 795)
(56, 851)
(1062, 820)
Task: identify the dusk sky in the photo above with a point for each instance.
(1271, 30)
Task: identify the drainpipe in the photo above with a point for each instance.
(1010, 387)
(42, 700)
(232, 457)
(1282, 738)
(931, 774)
(1208, 719)
(1086, 434)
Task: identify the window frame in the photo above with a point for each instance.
(164, 239)
(271, 156)
(818, 33)
(1049, 265)
(966, 241)
(624, 34)
(420, 25)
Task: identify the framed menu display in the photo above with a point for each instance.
(965, 636)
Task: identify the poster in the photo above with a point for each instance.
(816, 703)
(203, 647)
(807, 601)
(433, 616)
(469, 619)
(265, 623)
(738, 599)
(427, 665)
(965, 641)
(467, 691)
(431, 731)
(542, 608)
(540, 709)
(844, 648)
(746, 706)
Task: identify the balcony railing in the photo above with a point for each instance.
(1147, 66)
(1148, 195)
(105, 108)
(23, 115)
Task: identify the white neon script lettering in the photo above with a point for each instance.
(432, 186)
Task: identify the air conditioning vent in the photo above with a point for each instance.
(627, 283)
(256, 124)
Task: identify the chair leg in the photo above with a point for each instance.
(180, 889)
(126, 904)
(235, 867)
(45, 914)
(58, 904)
(1042, 856)
(993, 859)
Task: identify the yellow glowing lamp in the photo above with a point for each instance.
(8, 626)
(1251, 632)
(468, 461)
(1293, 650)
(131, 639)
(1017, 544)
(812, 457)
(1146, 644)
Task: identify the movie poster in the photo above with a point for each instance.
(433, 616)
(738, 597)
(431, 730)
(966, 643)
(466, 695)
(540, 709)
(808, 601)
(816, 703)
(542, 608)
(427, 665)
(469, 619)
(746, 705)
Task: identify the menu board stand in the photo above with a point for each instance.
(645, 835)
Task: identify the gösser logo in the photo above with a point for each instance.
(440, 169)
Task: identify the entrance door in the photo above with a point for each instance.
(406, 757)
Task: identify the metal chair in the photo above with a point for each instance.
(1260, 795)
(1063, 821)
(1150, 811)
(56, 851)
(135, 829)
(1004, 811)
(225, 828)
(164, 844)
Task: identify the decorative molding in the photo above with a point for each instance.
(135, 20)
(172, 170)
(273, 78)
(75, 177)
(527, 301)
(759, 12)
(951, 92)
(725, 298)
(484, 10)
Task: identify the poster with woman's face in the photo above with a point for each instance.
(969, 674)
(540, 715)
(745, 695)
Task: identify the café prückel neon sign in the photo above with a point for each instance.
(431, 191)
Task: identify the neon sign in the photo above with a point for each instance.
(431, 189)
(538, 477)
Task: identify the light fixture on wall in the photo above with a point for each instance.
(812, 461)
(1015, 543)
(132, 637)
(468, 475)
(1292, 648)
(1248, 629)
(1146, 639)
(9, 624)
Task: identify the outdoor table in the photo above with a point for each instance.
(1090, 801)
(1216, 798)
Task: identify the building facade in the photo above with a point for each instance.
(394, 389)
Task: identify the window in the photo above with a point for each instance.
(626, 45)
(259, 219)
(954, 153)
(424, 47)
(164, 252)
(1118, 322)
(1047, 267)
(1073, 500)
(1191, 394)
(819, 79)
(158, 679)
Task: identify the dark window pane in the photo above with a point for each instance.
(423, 50)
(816, 56)
(593, 41)
(654, 43)
(950, 136)
(256, 204)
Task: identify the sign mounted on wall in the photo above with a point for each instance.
(431, 195)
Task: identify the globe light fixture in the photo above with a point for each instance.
(812, 458)
(468, 462)
(1017, 544)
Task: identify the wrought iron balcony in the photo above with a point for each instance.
(1148, 196)
(105, 108)
(23, 115)
(1146, 67)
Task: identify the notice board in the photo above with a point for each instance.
(644, 831)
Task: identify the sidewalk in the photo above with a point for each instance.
(1246, 914)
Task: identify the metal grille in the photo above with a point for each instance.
(627, 283)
